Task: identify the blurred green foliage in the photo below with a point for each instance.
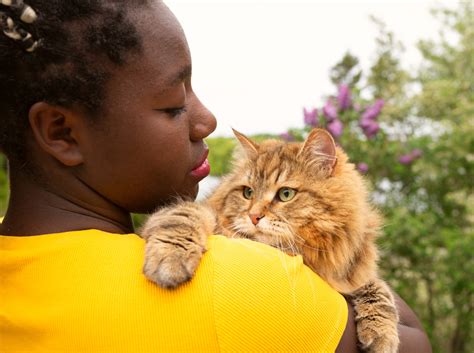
(427, 251)
(221, 150)
(220, 154)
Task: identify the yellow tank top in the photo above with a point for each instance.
(84, 291)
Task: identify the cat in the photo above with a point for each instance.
(302, 197)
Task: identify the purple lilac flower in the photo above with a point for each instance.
(363, 168)
(344, 97)
(310, 117)
(373, 111)
(416, 153)
(371, 128)
(287, 136)
(330, 111)
(367, 121)
(410, 157)
(335, 127)
(357, 107)
(405, 159)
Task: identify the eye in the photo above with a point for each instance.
(248, 193)
(286, 194)
(174, 112)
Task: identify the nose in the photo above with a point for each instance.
(202, 122)
(255, 218)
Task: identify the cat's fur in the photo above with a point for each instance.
(329, 222)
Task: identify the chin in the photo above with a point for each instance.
(188, 194)
(192, 194)
(263, 238)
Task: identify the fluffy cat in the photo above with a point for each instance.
(304, 198)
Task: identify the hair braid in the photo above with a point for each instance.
(58, 51)
(13, 29)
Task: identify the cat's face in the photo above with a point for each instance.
(279, 189)
(268, 199)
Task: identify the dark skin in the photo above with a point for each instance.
(136, 157)
(413, 338)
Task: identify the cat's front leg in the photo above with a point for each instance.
(176, 239)
(376, 317)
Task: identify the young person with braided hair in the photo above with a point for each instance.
(99, 119)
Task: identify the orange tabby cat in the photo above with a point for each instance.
(304, 198)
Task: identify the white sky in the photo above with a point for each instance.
(257, 63)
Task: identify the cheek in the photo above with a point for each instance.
(142, 171)
(279, 212)
(236, 207)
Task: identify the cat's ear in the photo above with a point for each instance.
(321, 148)
(250, 147)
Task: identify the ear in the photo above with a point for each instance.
(55, 131)
(321, 148)
(250, 147)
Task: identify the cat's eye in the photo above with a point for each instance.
(286, 194)
(248, 193)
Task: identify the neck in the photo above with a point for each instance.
(34, 209)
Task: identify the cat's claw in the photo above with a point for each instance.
(170, 266)
(372, 341)
(380, 344)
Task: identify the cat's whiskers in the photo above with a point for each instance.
(385, 225)
(312, 247)
(239, 234)
(240, 229)
(285, 262)
(298, 239)
(294, 248)
(233, 236)
(282, 257)
(279, 231)
(295, 235)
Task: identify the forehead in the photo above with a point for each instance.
(276, 165)
(164, 56)
(164, 42)
(163, 37)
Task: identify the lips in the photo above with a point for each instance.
(202, 168)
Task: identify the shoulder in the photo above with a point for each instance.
(261, 297)
(259, 289)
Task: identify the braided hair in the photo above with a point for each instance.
(58, 51)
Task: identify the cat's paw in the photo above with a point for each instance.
(170, 265)
(176, 239)
(372, 341)
(376, 318)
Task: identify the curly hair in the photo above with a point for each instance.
(59, 52)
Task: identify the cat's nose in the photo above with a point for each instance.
(255, 217)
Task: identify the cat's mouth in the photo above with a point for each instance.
(263, 238)
(272, 235)
(256, 236)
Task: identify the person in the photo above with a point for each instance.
(99, 119)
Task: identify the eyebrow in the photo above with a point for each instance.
(182, 75)
(175, 79)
